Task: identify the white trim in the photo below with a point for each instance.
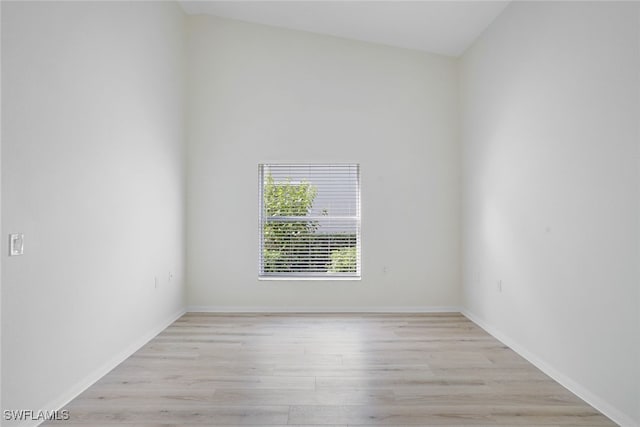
(284, 218)
(333, 309)
(326, 278)
(90, 379)
(572, 385)
(291, 170)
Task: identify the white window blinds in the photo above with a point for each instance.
(309, 220)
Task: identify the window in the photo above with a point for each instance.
(309, 221)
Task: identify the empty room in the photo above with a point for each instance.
(320, 213)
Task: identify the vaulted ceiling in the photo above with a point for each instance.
(443, 27)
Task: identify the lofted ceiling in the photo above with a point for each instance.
(443, 27)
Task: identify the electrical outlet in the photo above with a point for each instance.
(499, 285)
(155, 281)
(170, 276)
(16, 244)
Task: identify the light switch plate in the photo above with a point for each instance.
(16, 244)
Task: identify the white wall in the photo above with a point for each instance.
(550, 192)
(261, 94)
(93, 174)
(0, 215)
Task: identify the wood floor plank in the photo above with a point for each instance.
(327, 370)
(444, 415)
(234, 415)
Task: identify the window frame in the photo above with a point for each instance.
(311, 276)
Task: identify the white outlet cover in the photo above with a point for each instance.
(16, 244)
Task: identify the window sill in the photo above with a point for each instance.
(305, 279)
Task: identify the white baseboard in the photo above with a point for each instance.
(94, 376)
(573, 386)
(258, 309)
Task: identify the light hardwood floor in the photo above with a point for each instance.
(328, 369)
